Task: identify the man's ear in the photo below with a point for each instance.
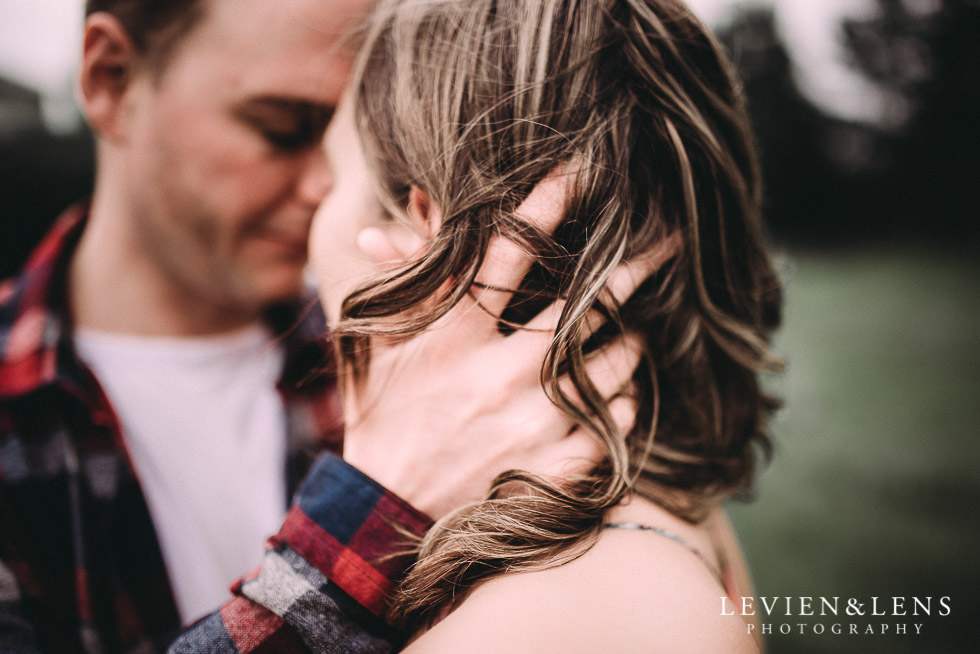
(108, 65)
(424, 212)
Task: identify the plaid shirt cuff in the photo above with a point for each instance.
(353, 531)
(326, 576)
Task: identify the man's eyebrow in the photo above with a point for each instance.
(315, 112)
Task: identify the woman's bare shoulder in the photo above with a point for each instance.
(631, 592)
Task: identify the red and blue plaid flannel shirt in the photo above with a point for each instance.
(80, 565)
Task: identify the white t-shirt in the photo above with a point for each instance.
(206, 431)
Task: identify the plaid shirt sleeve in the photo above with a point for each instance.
(323, 584)
(17, 635)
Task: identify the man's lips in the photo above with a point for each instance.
(294, 245)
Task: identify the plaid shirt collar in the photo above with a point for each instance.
(36, 348)
(34, 325)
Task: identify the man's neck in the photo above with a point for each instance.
(113, 288)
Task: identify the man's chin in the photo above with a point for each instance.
(283, 289)
(251, 291)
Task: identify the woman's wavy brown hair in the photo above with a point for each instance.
(475, 102)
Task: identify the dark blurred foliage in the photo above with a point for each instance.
(40, 174)
(915, 177)
(933, 173)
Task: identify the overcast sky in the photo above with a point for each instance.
(40, 41)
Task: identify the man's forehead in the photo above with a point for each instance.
(330, 20)
(335, 19)
(290, 49)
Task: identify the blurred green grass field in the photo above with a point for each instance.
(874, 487)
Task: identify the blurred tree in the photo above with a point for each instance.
(800, 183)
(911, 177)
(926, 55)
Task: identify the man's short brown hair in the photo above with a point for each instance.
(155, 26)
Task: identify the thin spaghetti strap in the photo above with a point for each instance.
(674, 537)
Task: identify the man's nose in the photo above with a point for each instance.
(316, 178)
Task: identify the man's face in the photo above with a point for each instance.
(225, 163)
